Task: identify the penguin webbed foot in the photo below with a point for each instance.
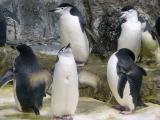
(123, 109)
(65, 117)
(126, 112)
(57, 118)
(80, 64)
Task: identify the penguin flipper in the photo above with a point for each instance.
(135, 82)
(122, 80)
(7, 77)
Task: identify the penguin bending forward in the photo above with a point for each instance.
(29, 80)
(125, 79)
(65, 92)
(72, 30)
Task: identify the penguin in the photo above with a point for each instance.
(4, 14)
(125, 78)
(157, 26)
(65, 92)
(3, 29)
(150, 39)
(29, 80)
(131, 32)
(72, 30)
(157, 52)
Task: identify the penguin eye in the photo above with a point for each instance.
(63, 49)
(62, 8)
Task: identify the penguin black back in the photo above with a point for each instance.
(3, 31)
(29, 95)
(127, 8)
(158, 26)
(127, 70)
(75, 12)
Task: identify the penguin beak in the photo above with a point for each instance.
(51, 10)
(68, 46)
(122, 15)
(56, 10)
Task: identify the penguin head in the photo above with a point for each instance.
(63, 8)
(157, 26)
(65, 51)
(128, 12)
(24, 49)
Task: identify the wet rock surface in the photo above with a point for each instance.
(88, 109)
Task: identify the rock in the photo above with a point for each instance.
(88, 109)
(89, 79)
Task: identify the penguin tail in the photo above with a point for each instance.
(36, 110)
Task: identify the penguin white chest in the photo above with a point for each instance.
(131, 37)
(149, 45)
(65, 91)
(71, 32)
(112, 78)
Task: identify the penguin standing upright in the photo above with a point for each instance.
(71, 24)
(131, 31)
(125, 78)
(151, 40)
(3, 29)
(29, 80)
(65, 91)
(157, 26)
(4, 14)
(157, 52)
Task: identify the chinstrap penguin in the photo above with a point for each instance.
(125, 78)
(157, 26)
(131, 31)
(4, 14)
(71, 25)
(150, 40)
(29, 80)
(65, 92)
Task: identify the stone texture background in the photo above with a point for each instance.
(39, 26)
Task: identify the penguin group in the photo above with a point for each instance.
(124, 76)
